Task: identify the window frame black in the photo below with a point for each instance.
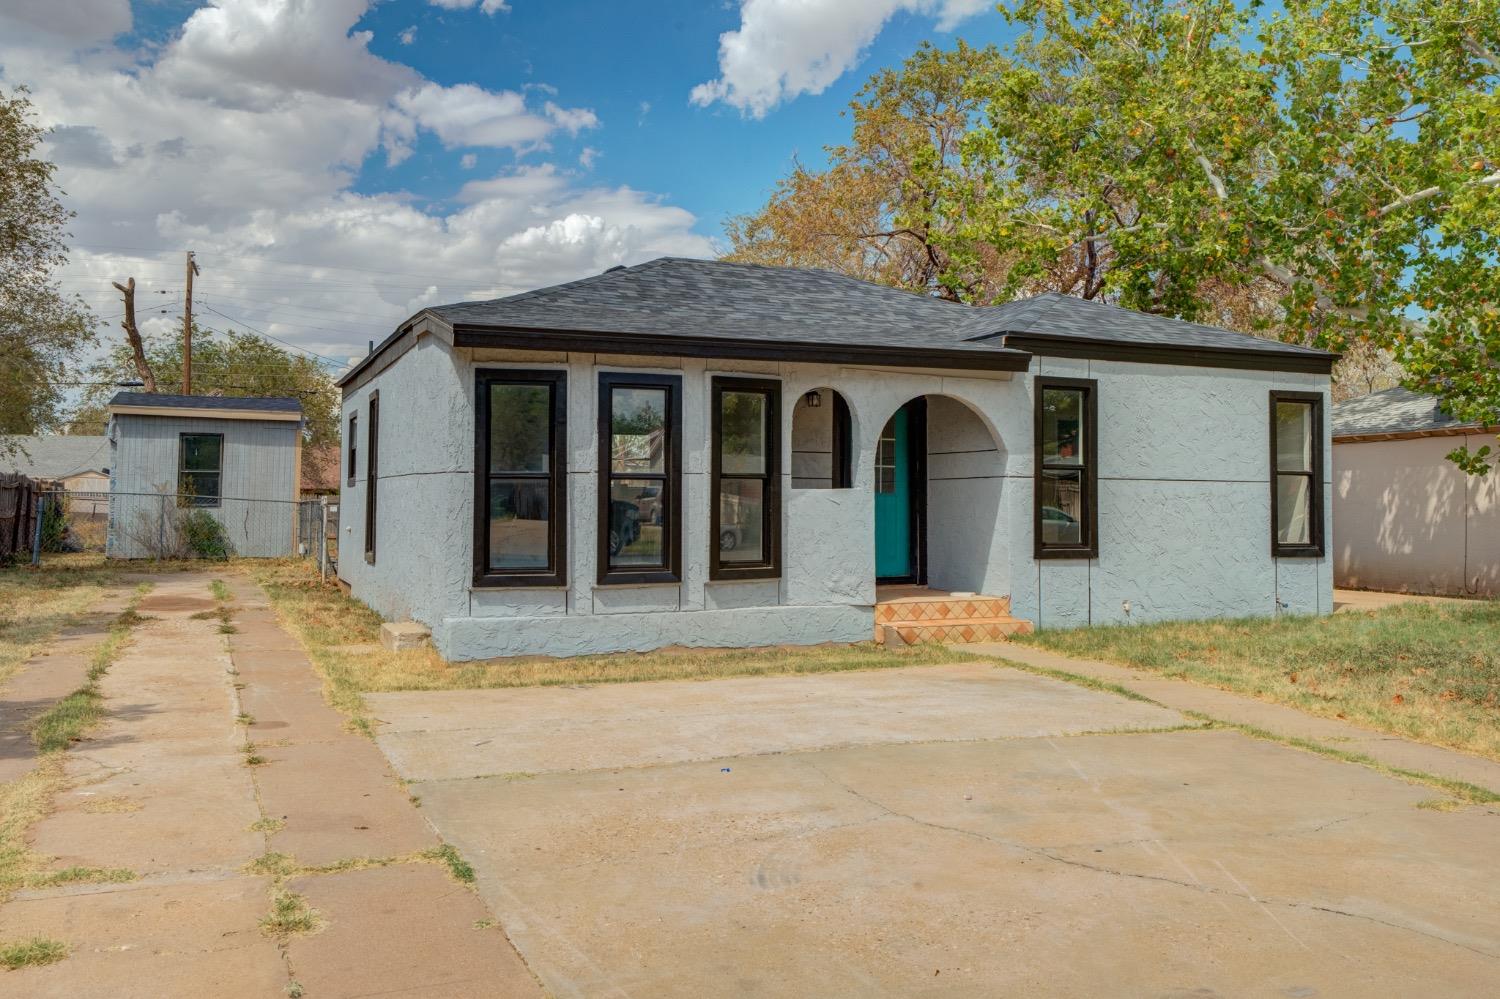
(1089, 546)
(186, 500)
(372, 471)
(1316, 546)
(353, 445)
(768, 567)
(556, 572)
(671, 478)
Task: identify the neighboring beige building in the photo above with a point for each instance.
(1405, 518)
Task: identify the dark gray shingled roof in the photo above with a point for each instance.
(714, 299)
(1052, 316)
(710, 302)
(242, 403)
(1394, 411)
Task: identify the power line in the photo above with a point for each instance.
(321, 357)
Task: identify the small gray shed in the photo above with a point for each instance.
(177, 459)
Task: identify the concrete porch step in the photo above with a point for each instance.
(979, 629)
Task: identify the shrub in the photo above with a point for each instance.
(203, 536)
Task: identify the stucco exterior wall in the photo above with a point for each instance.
(258, 484)
(1184, 506)
(1184, 503)
(1407, 519)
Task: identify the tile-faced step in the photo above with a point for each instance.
(996, 629)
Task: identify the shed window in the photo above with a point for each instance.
(1296, 474)
(353, 440)
(520, 498)
(640, 478)
(200, 469)
(1066, 515)
(746, 479)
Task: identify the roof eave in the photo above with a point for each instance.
(425, 321)
(1313, 362)
(661, 345)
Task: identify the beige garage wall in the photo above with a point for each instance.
(1407, 519)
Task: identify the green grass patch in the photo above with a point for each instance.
(457, 866)
(82, 876)
(66, 721)
(221, 591)
(290, 915)
(1426, 671)
(32, 953)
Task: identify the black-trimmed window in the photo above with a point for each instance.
(1066, 493)
(200, 469)
(353, 444)
(1296, 474)
(372, 453)
(745, 479)
(640, 478)
(520, 485)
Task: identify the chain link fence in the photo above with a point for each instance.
(164, 525)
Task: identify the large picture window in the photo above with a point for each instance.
(640, 478)
(745, 536)
(1296, 474)
(1066, 516)
(200, 469)
(520, 488)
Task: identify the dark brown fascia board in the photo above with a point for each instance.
(1410, 435)
(1137, 353)
(422, 322)
(656, 345)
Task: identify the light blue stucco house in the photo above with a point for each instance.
(697, 453)
(176, 457)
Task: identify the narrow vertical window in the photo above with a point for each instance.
(1066, 515)
(640, 478)
(745, 521)
(372, 453)
(520, 482)
(200, 469)
(353, 444)
(1296, 474)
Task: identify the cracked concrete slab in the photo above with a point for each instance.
(446, 734)
(404, 931)
(1113, 864)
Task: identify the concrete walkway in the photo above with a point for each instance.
(1226, 706)
(162, 790)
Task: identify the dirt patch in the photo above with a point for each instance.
(167, 602)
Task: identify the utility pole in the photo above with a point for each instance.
(133, 334)
(187, 328)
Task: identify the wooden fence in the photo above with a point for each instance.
(17, 516)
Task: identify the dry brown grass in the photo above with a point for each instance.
(1427, 671)
(341, 636)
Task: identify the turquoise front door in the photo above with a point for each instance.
(893, 498)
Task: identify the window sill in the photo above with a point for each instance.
(640, 579)
(744, 576)
(519, 582)
(1297, 553)
(1076, 554)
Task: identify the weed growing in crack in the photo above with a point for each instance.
(32, 953)
(458, 867)
(290, 914)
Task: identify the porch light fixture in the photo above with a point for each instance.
(813, 399)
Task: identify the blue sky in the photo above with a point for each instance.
(337, 165)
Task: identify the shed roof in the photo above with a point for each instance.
(675, 305)
(215, 406)
(55, 456)
(1394, 411)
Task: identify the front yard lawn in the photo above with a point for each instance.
(1426, 671)
(342, 635)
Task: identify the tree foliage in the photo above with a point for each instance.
(40, 327)
(1326, 172)
(228, 363)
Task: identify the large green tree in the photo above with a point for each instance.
(40, 327)
(1325, 172)
(230, 363)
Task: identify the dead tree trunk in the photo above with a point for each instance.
(137, 348)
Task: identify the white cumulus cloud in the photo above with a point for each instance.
(488, 6)
(241, 138)
(784, 48)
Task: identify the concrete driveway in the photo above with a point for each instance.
(956, 830)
